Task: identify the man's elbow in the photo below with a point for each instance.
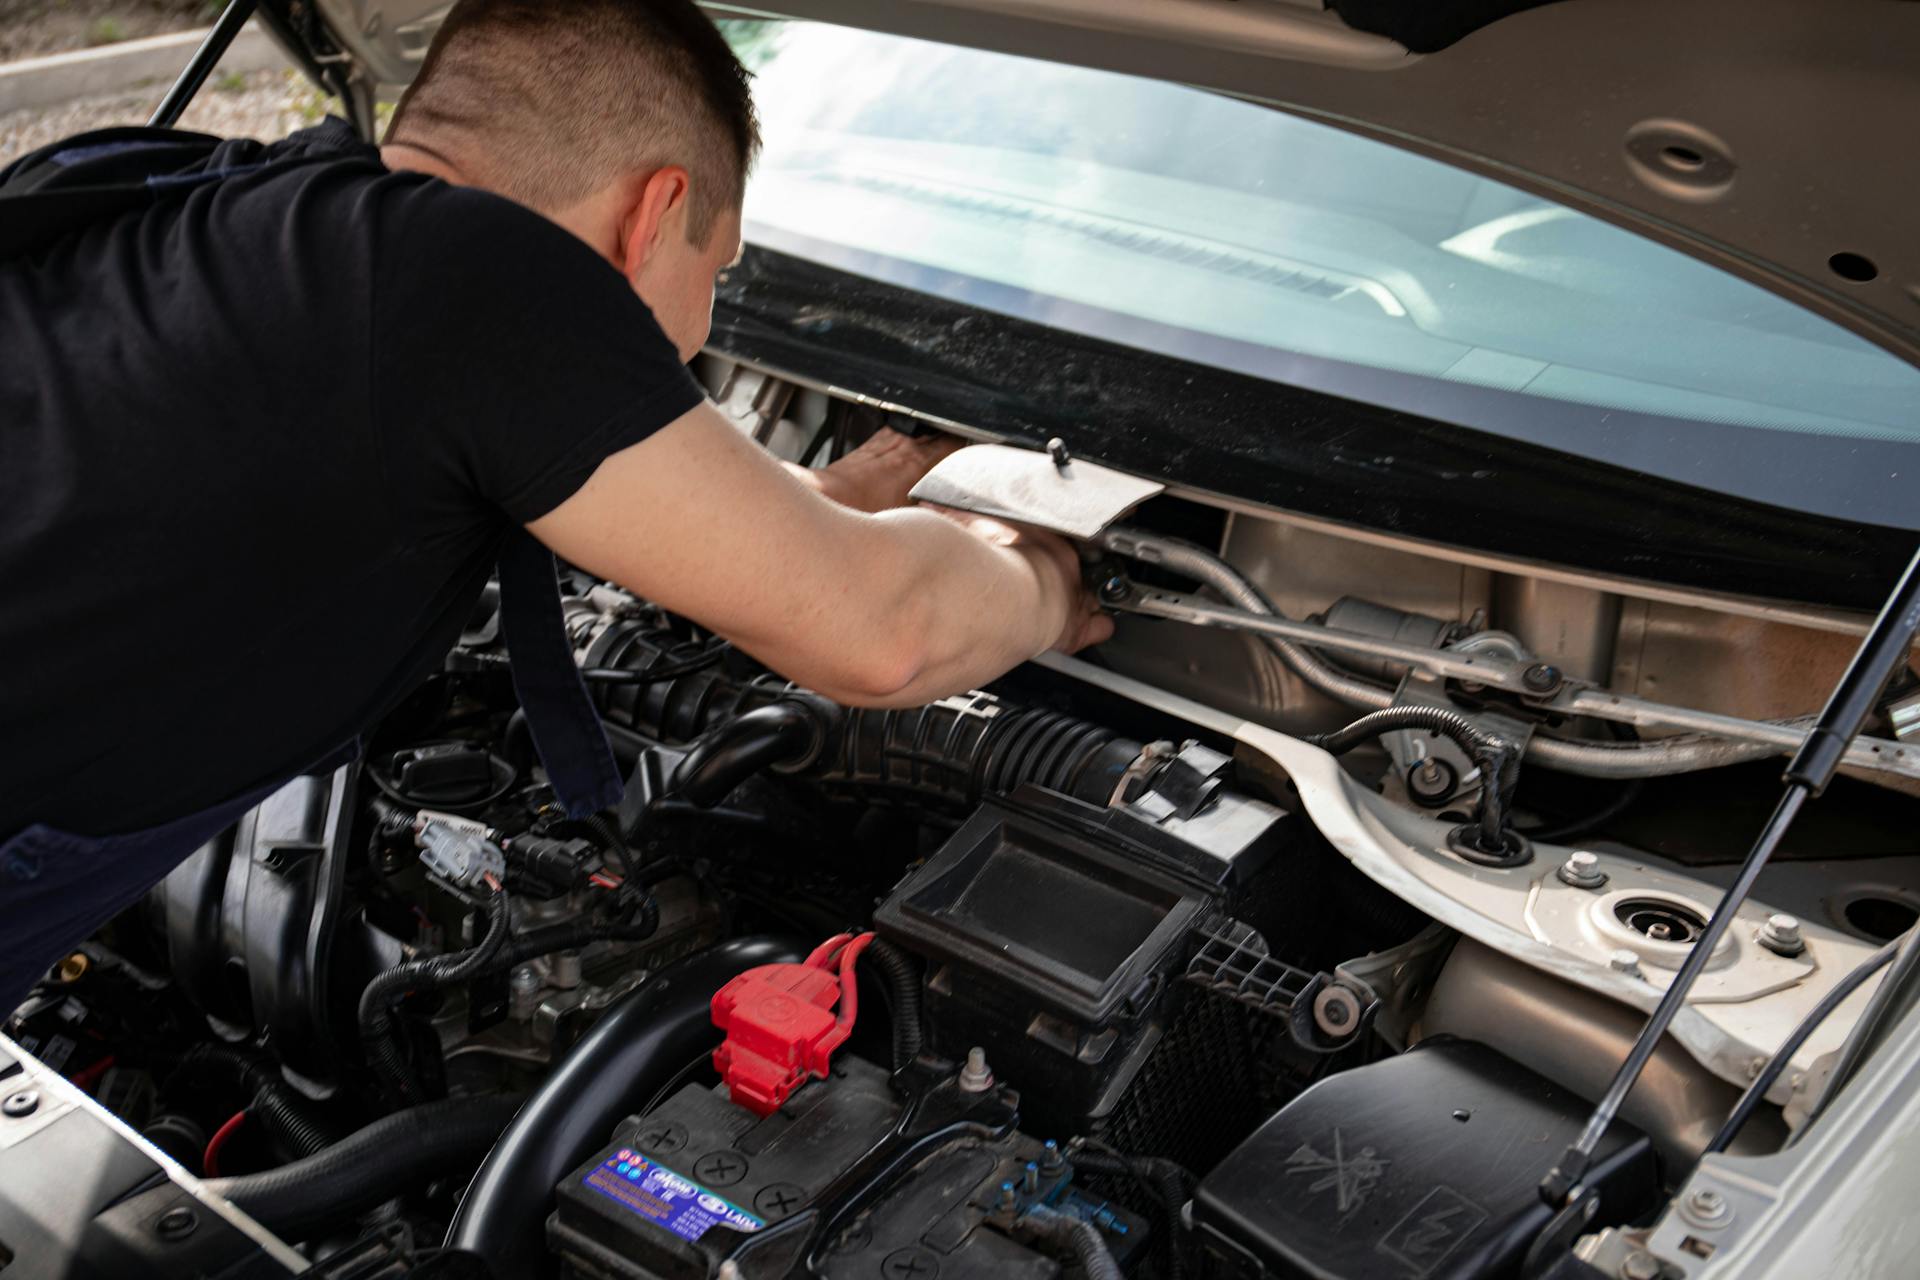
(886, 674)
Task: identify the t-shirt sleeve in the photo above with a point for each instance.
(507, 359)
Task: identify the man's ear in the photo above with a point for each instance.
(657, 207)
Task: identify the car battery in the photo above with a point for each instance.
(699, 1180)
(678, 1188)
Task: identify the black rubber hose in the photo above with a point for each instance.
(903, 991)
(279, 1110)
(736, 749)
(635, 1048)
(387, 989)
(386, 1158)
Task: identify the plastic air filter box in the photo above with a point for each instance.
(1053, 945)
(1423, 1167)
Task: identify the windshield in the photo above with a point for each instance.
(1233, 235)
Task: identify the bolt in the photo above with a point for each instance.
(524, 986)
(1707, 1207)
(176, 1223)
(1115, 589)
(1057, 450)
(1051, 1160)
(1337, 1011)
(564, 970)
(1582, 871)
(1624, 961)
(1781, 935)
(1030, 1179)
(1541, 677)
(1008, 1197)
(976, 1076)
(1640, 1265)
(1431, 781)
(23, 1103)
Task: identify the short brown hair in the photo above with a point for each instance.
(561, 97)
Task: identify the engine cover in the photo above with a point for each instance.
(1427, 1164)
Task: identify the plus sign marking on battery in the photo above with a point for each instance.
(910, 1264)
(778, 1199)
(720, 1168)
(664, 1138)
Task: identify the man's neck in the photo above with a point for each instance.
(420, 157)
(584, 220)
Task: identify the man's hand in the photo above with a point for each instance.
(878, 475)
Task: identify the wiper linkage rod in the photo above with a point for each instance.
(1535, 683)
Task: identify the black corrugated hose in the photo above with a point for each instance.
(1497, 762)
(1165, 1179)
(1083, 1238)
(387, 989)
(903, 991)
(271, 1100)
(387, 1157)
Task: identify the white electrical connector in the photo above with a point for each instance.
(458, 850)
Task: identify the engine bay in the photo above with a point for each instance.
(1112, 969)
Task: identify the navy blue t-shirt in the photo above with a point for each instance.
(259, 447)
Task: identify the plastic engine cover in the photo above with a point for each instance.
(1426, 1165)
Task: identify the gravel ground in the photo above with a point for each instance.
(265, 105)
(34, 28)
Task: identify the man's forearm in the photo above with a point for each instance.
(957, 608)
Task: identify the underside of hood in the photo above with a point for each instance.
(1771, 138)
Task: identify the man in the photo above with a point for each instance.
(264, 441)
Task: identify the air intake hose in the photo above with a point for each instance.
(958, 749)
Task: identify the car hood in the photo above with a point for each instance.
(1766, 137)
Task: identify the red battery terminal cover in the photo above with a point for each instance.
(781, 1024)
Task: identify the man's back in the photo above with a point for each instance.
(262, 443)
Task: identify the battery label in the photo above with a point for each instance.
(664, 1198)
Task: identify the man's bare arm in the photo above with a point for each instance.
(893, 609)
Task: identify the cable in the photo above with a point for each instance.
(386, 990)
(392, 790)
(1757, 1091)
(903, 990)
(1165, 1179)
(281, 1112)
(387, 1158)
(210, 1162)
(655, 674)
(1493, 757)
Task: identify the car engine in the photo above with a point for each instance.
(1070, 976)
